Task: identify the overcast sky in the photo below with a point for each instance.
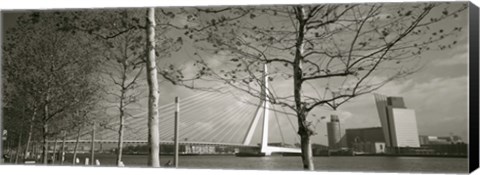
(438, 93)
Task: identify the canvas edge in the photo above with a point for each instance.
(474, 87)
(474, 106)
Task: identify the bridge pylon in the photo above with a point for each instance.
(263, 108)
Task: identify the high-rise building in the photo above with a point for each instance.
(399, 124)
(333, 132)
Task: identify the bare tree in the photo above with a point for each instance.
(320, 55)
(78, 123)
(122, 73)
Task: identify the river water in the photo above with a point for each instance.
(357, 163)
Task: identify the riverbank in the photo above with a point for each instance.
(415, 155)
(333, 163)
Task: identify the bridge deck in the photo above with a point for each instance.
(162, 142)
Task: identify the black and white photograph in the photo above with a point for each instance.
(326, 87)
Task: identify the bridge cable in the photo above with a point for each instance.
(138, 121)
(163, 119)
(287, 115)
(185, 109)
(276, 115)
(231, 110)
(245, 125)
(242, 118)
(192, 120)
(224, 125)
(187, 117)
(278, 125)
(172, 105)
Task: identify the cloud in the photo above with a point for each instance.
(456, 55)
(441, 105)
(456, 59)
(446, 89)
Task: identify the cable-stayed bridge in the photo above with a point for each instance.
(212, 118)
(209, 118)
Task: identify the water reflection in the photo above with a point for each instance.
(358, 163)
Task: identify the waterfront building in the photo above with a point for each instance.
(437, 140)
(319, 149)
(366, 140)
(333, 132)
(369, 148)
(444, 145)
(399, 124)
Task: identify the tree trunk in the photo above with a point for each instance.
(121, 116)
(120, 139)
(306, 147)
(92, 147)
(54, 156)
(45, 144)
(63, 148)
(307, 156)
(153, 94)
(45, 130)
(19, 148)
(303, 127)
(26, 154)
(34, 150)
(76, 147)
(10, 152)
